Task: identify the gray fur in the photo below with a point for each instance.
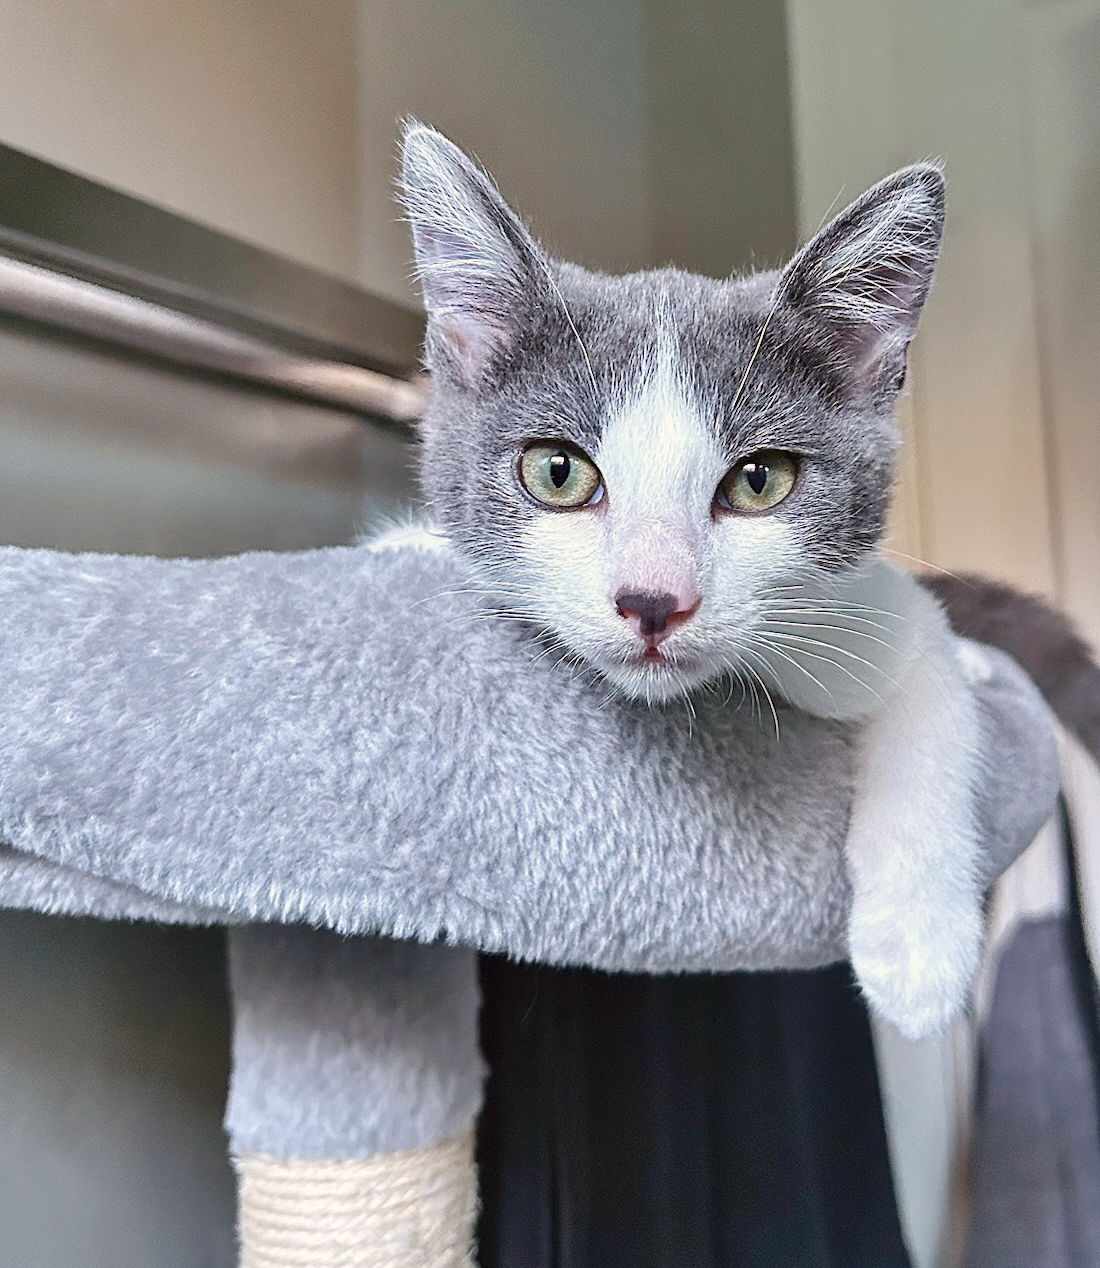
(1040, 638)
(33, 883)
(258, 735)
(347, 1047)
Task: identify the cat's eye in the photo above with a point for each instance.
(559, 475)
(758, 482)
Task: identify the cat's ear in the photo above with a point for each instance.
(865, 276)
(478, 265)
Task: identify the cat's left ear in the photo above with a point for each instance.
(480, 270)
(865, 276)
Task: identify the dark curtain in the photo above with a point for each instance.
(725, 1121)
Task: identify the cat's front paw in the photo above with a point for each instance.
(915, 965)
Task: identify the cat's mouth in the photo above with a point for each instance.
(655, 658)
(654, 675)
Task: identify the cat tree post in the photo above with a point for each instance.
(356, 1079)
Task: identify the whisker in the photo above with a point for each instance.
(831, 607)
(786, 616)
(779, 651)
(747, 665)
(925, 563)
(749, 689)
(572, 324)
(473, 593)
(837, 629)
(837, 607)
(801, 639)
(743, 385)
(784, 594)
(802, 651)
(691, 715)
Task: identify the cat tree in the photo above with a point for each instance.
(328, 754)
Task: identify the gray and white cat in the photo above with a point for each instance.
(681, 482)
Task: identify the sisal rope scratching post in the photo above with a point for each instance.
(413, 1208)
(356, 1080)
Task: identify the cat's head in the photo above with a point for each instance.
(641, 464)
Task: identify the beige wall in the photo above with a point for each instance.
(239, 113)
(276, 120)
(548, 96)
(880, 84)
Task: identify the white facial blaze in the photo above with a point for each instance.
(661, 461)
(655, 532)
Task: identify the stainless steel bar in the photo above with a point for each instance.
(38, 294)
(73, 225)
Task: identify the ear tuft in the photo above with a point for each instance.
(478, 265)
(866, 275)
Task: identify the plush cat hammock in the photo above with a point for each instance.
(333, 743)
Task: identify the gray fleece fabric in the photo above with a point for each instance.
(346, 1047)
(341, 738)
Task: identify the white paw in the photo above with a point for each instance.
(916, 968)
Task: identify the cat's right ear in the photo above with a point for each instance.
(479, 267)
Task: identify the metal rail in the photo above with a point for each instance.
(81, 257)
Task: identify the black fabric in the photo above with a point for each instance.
(696, 1122)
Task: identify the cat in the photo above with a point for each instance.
(682, 482)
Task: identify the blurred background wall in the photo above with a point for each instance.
(242, 115)
(714, 134)
(630, 133)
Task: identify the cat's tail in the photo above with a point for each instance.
(1040, 638)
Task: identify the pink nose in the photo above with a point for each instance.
(655, 616)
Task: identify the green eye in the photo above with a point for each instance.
(559, 475)
(759, 482)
